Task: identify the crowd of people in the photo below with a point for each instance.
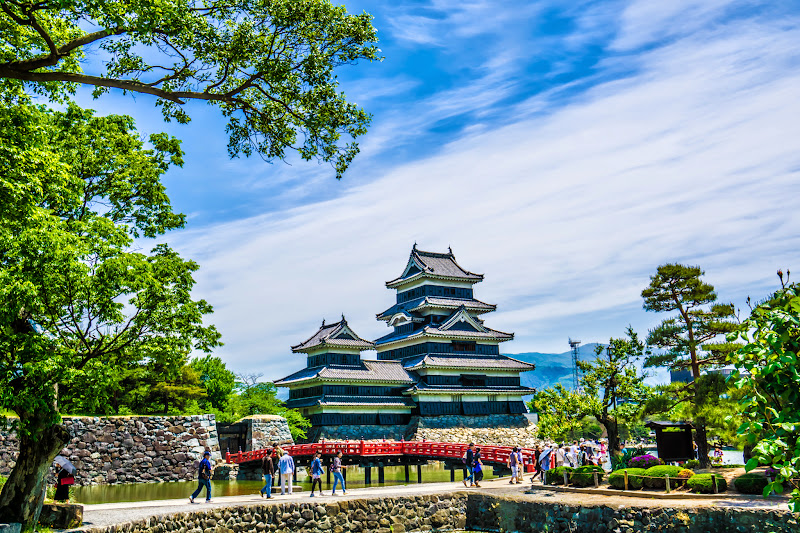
(579, 453)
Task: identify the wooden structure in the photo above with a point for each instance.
(673, 440)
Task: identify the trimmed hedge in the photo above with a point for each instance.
(692, 463)
(583, 476)
(702, 483)
(751, 483)
(555, 476)
(645, 461)
(635, 480)
(654, 476)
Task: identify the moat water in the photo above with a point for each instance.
(136, 492)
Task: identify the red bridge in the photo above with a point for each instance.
(390, 450)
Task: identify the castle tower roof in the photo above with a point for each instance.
(434, 265)
(336, 335)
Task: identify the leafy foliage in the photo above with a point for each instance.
(751, 483)
(555, 476)
(583, 476)
(635, 480)
(613, 376)
(704, 483)
(769, 362)
(622, 460)
(688, 339)
(269, 65)
(645, 461)
(560, 411)
(217, 380)
(655, 476)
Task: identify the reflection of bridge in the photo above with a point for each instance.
(380, 454)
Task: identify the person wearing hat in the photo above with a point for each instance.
(203, 478)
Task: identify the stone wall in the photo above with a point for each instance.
(502, 430)
(461, 510)
(266, 429)
(131, 449)
(360, 432)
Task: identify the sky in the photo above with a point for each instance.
(564, 149)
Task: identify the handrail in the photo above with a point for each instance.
(434, 450)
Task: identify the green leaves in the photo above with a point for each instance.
(269, 65)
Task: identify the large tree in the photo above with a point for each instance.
(269, 65)
(560, 411)
(689, 337)
(76, 293)
(615, 384)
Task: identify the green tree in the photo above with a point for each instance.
(75, 190)
(269, 65)
(261, 398)
(688, 337)
(615, 384)
(769, 366)
(217, 380)
(560, 411)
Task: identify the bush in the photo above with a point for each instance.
(692, 464)
(635, 480)
(654, 476)
(702, 483)
(645, 461)
(555, 476)
(583, 476)
(683, 476)
(751, 483)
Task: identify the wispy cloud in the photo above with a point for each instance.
(691, 157)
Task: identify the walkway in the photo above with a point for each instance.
(116, 513)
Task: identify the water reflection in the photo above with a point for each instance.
(134, 492)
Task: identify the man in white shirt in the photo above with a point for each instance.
(286, 466)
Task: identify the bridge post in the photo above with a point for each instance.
(452, 473)
(367, 475)
(419, 474)
(408, 477)
(380, 474)
(329, 474)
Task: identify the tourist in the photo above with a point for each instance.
(717, 460)
(316, 474)
(537, 455)
(336, 468)
(520, 464)
(64, 480)
(477, 467)
(513, 463)
(204, 470)
(268, 471)
(468, 459)
(544, 461)
(560, 455)
(286, 468)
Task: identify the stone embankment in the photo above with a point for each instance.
(501, 430)
(459, 510)
(130, 449)
(266, 429)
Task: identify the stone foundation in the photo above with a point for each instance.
(361, 433)
(501, 430)
(266, 429)
(460, 510)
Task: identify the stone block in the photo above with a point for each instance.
(61, 515)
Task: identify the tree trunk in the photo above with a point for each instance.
(23, 494)
(701, 438)
(612, 432)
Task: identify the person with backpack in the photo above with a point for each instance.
(477, 467)
(204, 470)
(468, 459)
(316, 474)
(268, 470)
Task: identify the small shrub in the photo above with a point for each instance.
(654, 476)
(555, 476)
(702, 483)
(692, 464)
(635, 480)
(683, 476)
(751, 483)
(644, 461)
(583, 476)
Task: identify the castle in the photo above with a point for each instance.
(440, 359)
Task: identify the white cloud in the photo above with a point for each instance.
(693, 159)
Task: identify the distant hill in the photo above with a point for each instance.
(552, 368)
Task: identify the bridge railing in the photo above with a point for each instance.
(434, 450)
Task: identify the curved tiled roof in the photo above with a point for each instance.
(449, 389)
(417, 304)
(334, 335)
(421, 264)
(367, 401)
(493, 362)
(382, 371)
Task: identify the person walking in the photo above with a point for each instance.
(286, 468)
(544, 462)
(537, 467)
(204, 471)
(477, 467)
(316, 474)
(336, 468)
(64, 480)
(268, 470)
(468, 459)
(520, 465)
(513, 463)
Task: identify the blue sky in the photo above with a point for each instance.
(563, 149)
